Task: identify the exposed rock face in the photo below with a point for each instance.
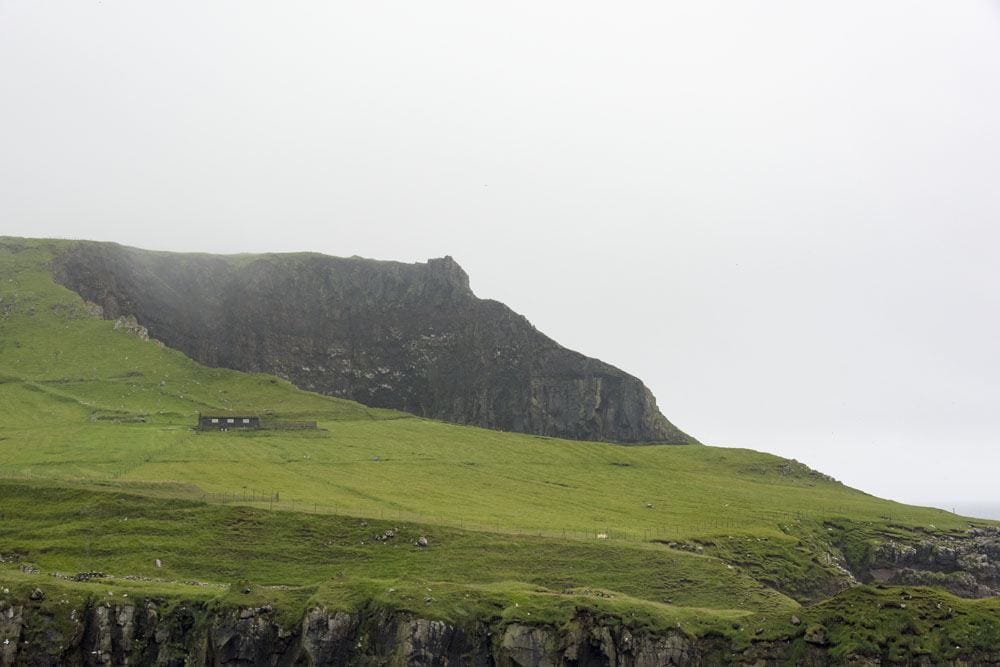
(968, 567)
(106, 633)
(11, 623)
(407, 336)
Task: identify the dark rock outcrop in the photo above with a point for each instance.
(967, 566)
(407, 336)
(144, 633)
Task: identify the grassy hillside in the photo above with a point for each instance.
(84, 401)
(104, 472)
(298, 560)
(73, 529)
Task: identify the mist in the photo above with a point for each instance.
(782, 216)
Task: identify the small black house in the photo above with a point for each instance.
(216, 422)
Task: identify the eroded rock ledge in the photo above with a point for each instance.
(148, 632)
(142, 634)
(967, 566)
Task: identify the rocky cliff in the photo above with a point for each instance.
(148, 633)
(967, 566)
(172, 633)
(408, 336)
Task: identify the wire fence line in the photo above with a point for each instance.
(659, 531)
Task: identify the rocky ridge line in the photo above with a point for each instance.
(412, 337)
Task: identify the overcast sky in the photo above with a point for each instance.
(784, 216)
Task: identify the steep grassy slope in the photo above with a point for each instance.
(104, 472)
(75, 529)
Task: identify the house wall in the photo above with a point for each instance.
(220, 423)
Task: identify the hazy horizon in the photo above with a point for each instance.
(781, 217)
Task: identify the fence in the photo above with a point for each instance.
(662, 531)
(269, 425)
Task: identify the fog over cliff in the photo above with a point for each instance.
(782, 216)
(406, 336)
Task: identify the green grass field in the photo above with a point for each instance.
(100, 469)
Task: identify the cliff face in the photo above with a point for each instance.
(407, 336)
(158, 632)
(146, 633)
(968, 567)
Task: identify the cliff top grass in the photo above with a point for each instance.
(67, 531)
(230, 557)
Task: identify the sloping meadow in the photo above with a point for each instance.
(101, 470)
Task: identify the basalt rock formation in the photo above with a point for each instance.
(113, 633)
(173, 633)
(968, 566)
(412, 337)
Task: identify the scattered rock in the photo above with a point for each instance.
(589, 592)
(131, 326)
(37, 594)
(158, 563)
(796, 620)
(422, 541)
(816, 634)
(93, 309)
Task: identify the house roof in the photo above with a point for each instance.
(219, 414)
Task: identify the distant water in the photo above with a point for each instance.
(981, 510)
(978, 510)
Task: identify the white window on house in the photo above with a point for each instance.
(246, 421)
(230, 421)
(215, 421)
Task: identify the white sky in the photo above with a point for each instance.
(783, 216)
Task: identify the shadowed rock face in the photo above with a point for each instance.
(147, 632)
(143, 633)
(967, 566)
(407, 336)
